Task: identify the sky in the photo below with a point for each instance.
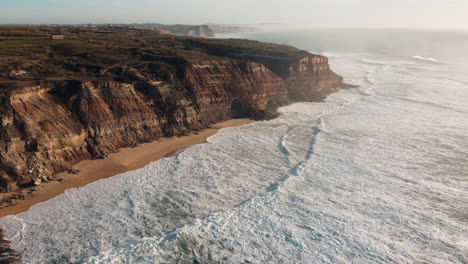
(441, 14)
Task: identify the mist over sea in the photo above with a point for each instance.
(374, 174)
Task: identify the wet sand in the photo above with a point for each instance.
(124, 160)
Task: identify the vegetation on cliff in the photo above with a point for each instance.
(29, 53)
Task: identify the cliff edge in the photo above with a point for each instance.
(63, 101)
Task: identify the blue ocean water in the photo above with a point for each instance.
(374, 174)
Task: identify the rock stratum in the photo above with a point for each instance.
(64, 101)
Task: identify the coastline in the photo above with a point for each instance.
(124, 160)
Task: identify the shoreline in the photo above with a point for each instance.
(124, 160)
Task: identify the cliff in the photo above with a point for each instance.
(7, 255)
(205, 31)
(86, 101)
(188, 30)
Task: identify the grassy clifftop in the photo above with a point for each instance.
(29, 53)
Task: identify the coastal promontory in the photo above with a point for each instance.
(70, 94)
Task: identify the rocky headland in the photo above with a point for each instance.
(100, 90)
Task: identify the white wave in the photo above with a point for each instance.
(425, 59)
(373, 62)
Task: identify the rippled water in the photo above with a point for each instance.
(375, 174)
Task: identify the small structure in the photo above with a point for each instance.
(58, 37)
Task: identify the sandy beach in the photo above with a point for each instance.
(124, 160)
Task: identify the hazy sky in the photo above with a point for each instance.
(302, 13)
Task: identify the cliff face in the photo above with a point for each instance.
(206, 31)
(188, 30)
(310, 79)
(47, 126)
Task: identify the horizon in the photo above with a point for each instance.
(356, 14)
(259, 26)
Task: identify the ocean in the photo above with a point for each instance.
(374, 174)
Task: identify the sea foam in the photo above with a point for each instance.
(373, 174)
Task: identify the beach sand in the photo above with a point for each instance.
(124, 160)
